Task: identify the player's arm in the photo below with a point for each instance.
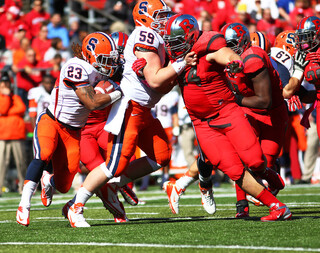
(223, 56)
(291, 87)
(93, 101)
(161, 79)
(262, 88)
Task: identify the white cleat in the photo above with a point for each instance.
(207, 200)
(254, 201)
(173, 193)
(74, 213)
(23, 215)
(46, 190)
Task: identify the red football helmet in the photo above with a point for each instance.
(286, 40)
(152, 13)
(307, 37)
(261, 40)
(181, 33)
(120, 39)
(237, 37)
(100, 51)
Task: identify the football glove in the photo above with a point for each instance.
(294, 103)
(299, 64)
(234, 67)
(313, 57)
(138, 66)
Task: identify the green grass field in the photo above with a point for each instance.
(153, 228)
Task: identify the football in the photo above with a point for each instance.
(103, 87)
(312, 73)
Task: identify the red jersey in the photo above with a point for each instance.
(204, 87)
(255, 60)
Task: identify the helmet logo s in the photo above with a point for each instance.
(290, 38)
(186, 25)
(92, 44)
(143, 7)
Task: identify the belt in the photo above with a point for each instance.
(211, 118)
(64, 124)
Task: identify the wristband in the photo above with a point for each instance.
(114, 96)
(179, 66)
(176, 131)
(297, 74)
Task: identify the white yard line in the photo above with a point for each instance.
(141, 245)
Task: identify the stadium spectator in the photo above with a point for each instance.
(39, 98)
(19, 53)
(19, 34)
(302, 9)
(56, 64)
(29, 74)
(285, 7)
(9, 24)
(41, 43)
(5, 55)
(12, 131)
(117, 8)
(57, 30)
(36, 17)
(56, 48)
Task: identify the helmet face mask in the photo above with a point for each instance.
(237, 37)
(181, 33)
(307, 37)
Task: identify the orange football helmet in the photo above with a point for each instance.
(100, 51)
(152, 13)
(261, 40)
(285, 40)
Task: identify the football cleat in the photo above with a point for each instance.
(46, 190)
(254, 201)
(23, 215)
(278, 213)
(129, 196)
(109, 197)
(242, 209)
(207, 200)
(173, 193)
(74, 213)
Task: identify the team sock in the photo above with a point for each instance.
(268, 199)
(27, 192)
(82, 196)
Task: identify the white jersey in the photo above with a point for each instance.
(132, 87)
(41, 97)
(68, 109)
(167, 106)
(283, 57)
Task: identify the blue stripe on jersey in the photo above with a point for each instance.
(36, 144)
(116, 150)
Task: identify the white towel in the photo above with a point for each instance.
(116, 116)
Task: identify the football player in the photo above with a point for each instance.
(94, 140)
(58, 129)
(130, 121)
(259, 92)
(219, 120)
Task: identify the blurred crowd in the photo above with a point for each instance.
(36, 40)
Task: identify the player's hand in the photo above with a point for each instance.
(313, 57)
(138, 66)
(234, 67)
(299, 65)
(191, 59)
(294, 103)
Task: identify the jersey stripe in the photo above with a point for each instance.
(213, 39)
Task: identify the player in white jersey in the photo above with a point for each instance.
(39, 98)
(166, 111)
(58, 129)
(130, 121)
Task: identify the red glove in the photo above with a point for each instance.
(234, 67)
(313, 57)
(294, 103)
(138, 66)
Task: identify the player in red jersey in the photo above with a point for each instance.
(224, 134)
(259, 92)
